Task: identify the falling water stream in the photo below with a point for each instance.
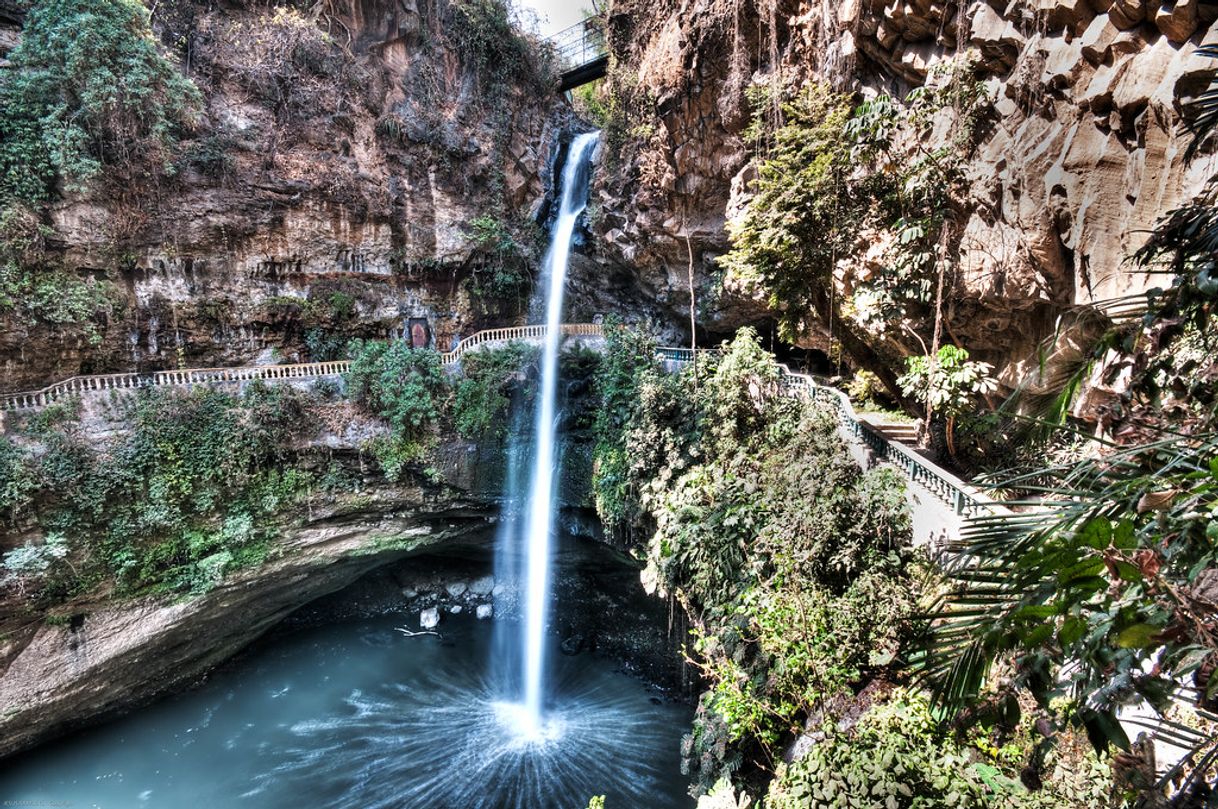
(541, 506)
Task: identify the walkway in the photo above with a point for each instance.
(949, 499)
(28, 400)
(582, 53)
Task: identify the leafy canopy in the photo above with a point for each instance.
(949, 382)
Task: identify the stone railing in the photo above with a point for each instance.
(28, 400)
(515, 333)
(963, 499)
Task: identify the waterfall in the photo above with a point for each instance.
(540, 502)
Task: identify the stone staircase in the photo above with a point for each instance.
(904, 432)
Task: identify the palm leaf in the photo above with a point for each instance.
(1204, 109)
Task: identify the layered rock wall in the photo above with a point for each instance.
(344, 154)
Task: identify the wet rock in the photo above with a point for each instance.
(483, 586)
(456, 588)
(429, 618)
(574, 644)
(484, 611)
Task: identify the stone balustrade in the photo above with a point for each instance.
(963, 499)
(32, 400)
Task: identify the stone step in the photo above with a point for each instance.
(903, 432)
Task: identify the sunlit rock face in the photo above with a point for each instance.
(349, 161)
(1084, 152)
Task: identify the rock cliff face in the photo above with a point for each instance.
(113, 655)
(1082, 154)
(102, 653)
(340, 158)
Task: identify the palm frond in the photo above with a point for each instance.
(1204, 109)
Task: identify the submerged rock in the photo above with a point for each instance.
(484, 611)
(482, 586)
(430, 618)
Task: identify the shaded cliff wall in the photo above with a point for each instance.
(1082, 153)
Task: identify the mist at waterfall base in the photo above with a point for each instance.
(357, 715)
(353, 715)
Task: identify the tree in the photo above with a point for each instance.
(947, 383)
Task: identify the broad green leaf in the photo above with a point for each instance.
(1137, 636)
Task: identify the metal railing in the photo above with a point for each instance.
(27, 400)
(946, 487)
(580, 45)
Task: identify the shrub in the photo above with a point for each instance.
(17, 481)
(480, 407)
(502, 271)
(896, 756)
(185, 496)
(484, 34)
(400, 384)
(90, 89)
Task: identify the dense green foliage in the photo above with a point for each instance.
(404, 386)
(38, 288)
(189, 493)
(483, 395)
(1100, 599)
(794, 228)
(830, 177)
(410, 390)
(796, 572)
(502, 271)
(949, 382)
(485, 35)
(789, 559)
(88, 89)
(898, 756)
(627, 370)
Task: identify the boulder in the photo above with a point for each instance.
(1071, 15)
(1126, 14)
(429, 618)
(456, 588)
(482, 586)
(484, 611)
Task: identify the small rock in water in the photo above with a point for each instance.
(455, 608)
(456, 588)
(499, 590)
(429, 619)
(484, 611)
(572, 645)
(483, 585)
(410, 592)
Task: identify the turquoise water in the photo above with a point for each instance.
(355, 714)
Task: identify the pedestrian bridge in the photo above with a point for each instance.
(582, 53)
